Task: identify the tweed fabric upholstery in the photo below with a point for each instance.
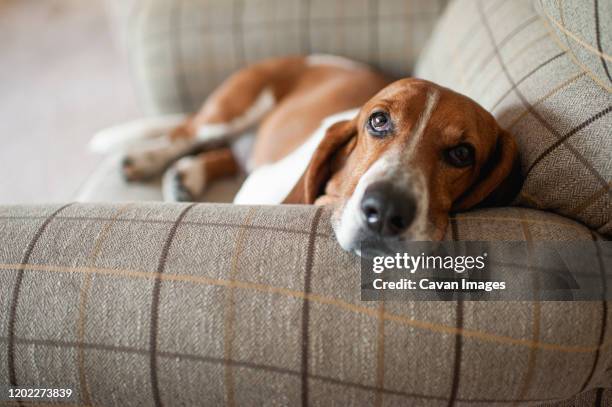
(181, 50)
(202, 304)
(507, 56)
(120, 14)
(585, 30)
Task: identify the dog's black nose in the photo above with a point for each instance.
(387, 210)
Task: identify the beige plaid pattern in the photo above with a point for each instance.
(182, 49)
(585, 30)
(120, 12)
(507, 56)
(168, 305)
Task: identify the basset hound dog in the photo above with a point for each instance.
(391, 158)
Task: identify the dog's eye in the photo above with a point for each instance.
(461, 155)
(379, 124)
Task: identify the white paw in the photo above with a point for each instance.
(185, 180)
(151, 160)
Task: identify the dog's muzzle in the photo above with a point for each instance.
(386, 210)
(388, 207)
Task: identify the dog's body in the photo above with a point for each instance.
(271, 184)
(392, 169)
(287, 98)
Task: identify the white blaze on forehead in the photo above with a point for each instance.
(421, 124)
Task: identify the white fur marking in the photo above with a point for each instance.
(168, 189)
(193, 178)
(419, 130)
(125, 135)
(391, 168)
(349, 225)
(262, 105)
(213, 131)
(151, 159)
(270, 184)
(334, 60)
(194, 174)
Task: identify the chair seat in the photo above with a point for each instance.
(107, 185)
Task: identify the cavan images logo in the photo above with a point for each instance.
(515, 271)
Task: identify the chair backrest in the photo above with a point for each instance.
(180, 50)
(540, 66)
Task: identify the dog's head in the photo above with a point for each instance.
(414, 153)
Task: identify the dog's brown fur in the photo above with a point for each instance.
(306, 94)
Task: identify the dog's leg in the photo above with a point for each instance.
(187, 179)
(238, 104)
(148, 161)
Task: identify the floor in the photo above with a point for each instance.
(62, 78)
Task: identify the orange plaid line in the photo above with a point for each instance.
(380, 356)
(554, 90)
(229, 317)
(84, 294)
(321, 299)
(269, 368)
(536, 320)
(574, 37)
(591, 199)
(512, 59)
(518, 220)
(574, 58)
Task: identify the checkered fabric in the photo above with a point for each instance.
(120, 13)
(179, 305)
(182, 49)
(585, 30)
(529, 66)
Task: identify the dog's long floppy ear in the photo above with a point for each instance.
(312, 183)
(500, 178)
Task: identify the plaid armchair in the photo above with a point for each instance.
(139, 303)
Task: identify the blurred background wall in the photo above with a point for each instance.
(62, 77)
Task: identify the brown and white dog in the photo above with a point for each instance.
(392, 169)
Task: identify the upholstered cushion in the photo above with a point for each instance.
(181, 50)
(511, 60)
(144, 304)
(585, 30)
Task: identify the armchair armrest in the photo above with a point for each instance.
(201, 304)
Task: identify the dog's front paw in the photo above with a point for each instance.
(146, 163)
(185, 180)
